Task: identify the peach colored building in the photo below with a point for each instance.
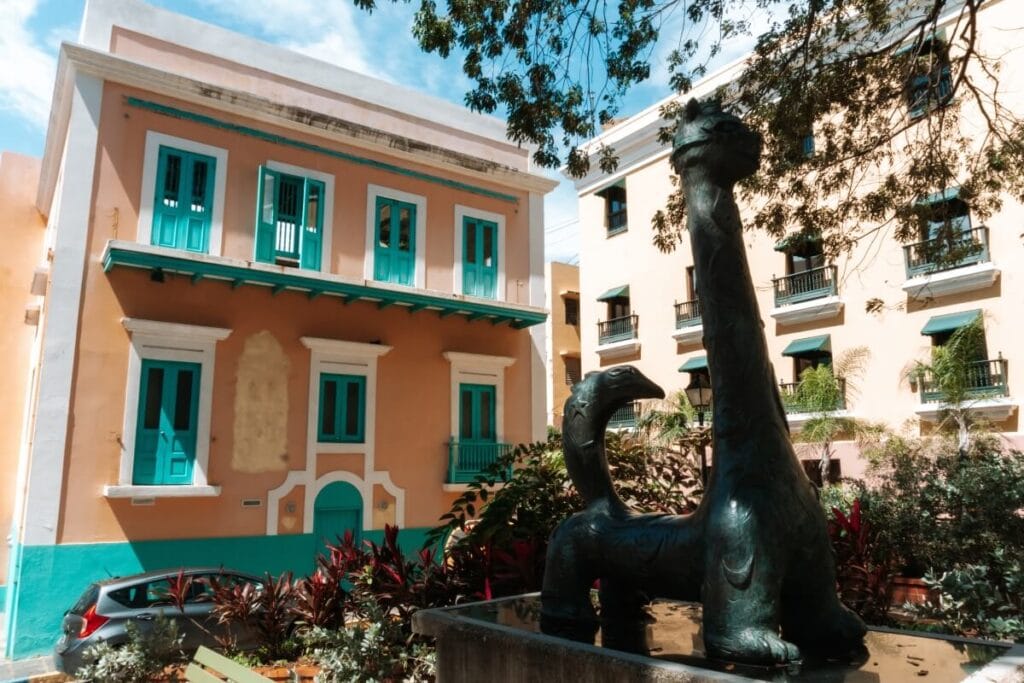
(563, 335)
(279, 300)
(641, 306)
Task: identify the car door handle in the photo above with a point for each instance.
(145, 616)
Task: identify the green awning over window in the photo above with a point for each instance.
(695, 363)
(799, 347)
(799, 243)
(949, 322)
(615, 293)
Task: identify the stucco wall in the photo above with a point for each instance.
(563, 281)
(23, 229)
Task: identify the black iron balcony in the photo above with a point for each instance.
(795, 401)
(467, 460)
(617, 329)
(617, 222)
(947, 252)
(982, 379)
(815, 283)
(625, 417)
(688, 314)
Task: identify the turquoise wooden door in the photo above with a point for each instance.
(165, 433)
(479, 257)
(338, 508)
(289, 221)
(394, 253)
(183, 203)
(477, 414)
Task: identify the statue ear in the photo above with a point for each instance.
(692, 109)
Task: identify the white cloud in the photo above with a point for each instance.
(26, 79)
(325, 30)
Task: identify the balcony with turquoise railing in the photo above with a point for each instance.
(618, 336)
(795, 402)
(806, 296)
(468, 460)
(949, 264)
(625, 417)
(985, 391)
(689, 326)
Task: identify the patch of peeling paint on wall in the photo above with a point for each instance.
(261, 406)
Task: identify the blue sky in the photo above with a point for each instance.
(379, 44)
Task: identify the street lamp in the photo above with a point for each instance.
(698, 393)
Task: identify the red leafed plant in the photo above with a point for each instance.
(863, 581)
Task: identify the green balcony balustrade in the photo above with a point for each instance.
(947, 252)
(982, 379)
(467, 460)
(794, 402)
(625, 417)
(617, 329)
(688, 314)
(617, 222)
(815, 283)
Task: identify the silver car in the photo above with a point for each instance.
(107, 606)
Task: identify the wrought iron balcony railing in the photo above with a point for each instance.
(815, 283)
(625, 417)
(617, 222)
(688, 314)
(617, 329)
(947, 252)
(794, 401)
(467, 460)
(982, 379)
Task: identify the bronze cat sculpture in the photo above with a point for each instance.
(756, 552)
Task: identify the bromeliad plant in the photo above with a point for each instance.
(863, 581)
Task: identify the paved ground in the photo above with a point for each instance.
(26, 670)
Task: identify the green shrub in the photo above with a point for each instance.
(375, 648)
(986, 601)
(138, 660)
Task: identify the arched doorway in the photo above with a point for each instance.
(337, 509)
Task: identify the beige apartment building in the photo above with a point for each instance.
(563, 335)
(639, 306)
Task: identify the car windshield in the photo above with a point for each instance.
(87, 600)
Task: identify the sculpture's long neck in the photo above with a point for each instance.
(742, 377)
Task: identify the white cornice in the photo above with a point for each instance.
(478, 359)
(337, 348)
(175, 331)
(110, 68)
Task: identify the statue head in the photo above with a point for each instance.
(611, 389)
(716, 141)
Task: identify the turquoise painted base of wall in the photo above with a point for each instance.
(51, 578)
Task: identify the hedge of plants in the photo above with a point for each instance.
(925, 509)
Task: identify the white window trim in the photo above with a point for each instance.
(149, 167)
(348, 358)
(461, 214)
(154, 340)
(374, 191)
(475, 368)
(327, 229)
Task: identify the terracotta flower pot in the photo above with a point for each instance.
(274, 673)
(306, 672)
(906, 589)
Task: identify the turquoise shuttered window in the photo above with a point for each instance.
(342, 416)
(289, 219)
(477, 414)
(183, 201)
(165, 432)
(394, 250)
(479, 257)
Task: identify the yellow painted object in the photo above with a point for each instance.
(210, 667)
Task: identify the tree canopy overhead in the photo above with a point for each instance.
(880, 85)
